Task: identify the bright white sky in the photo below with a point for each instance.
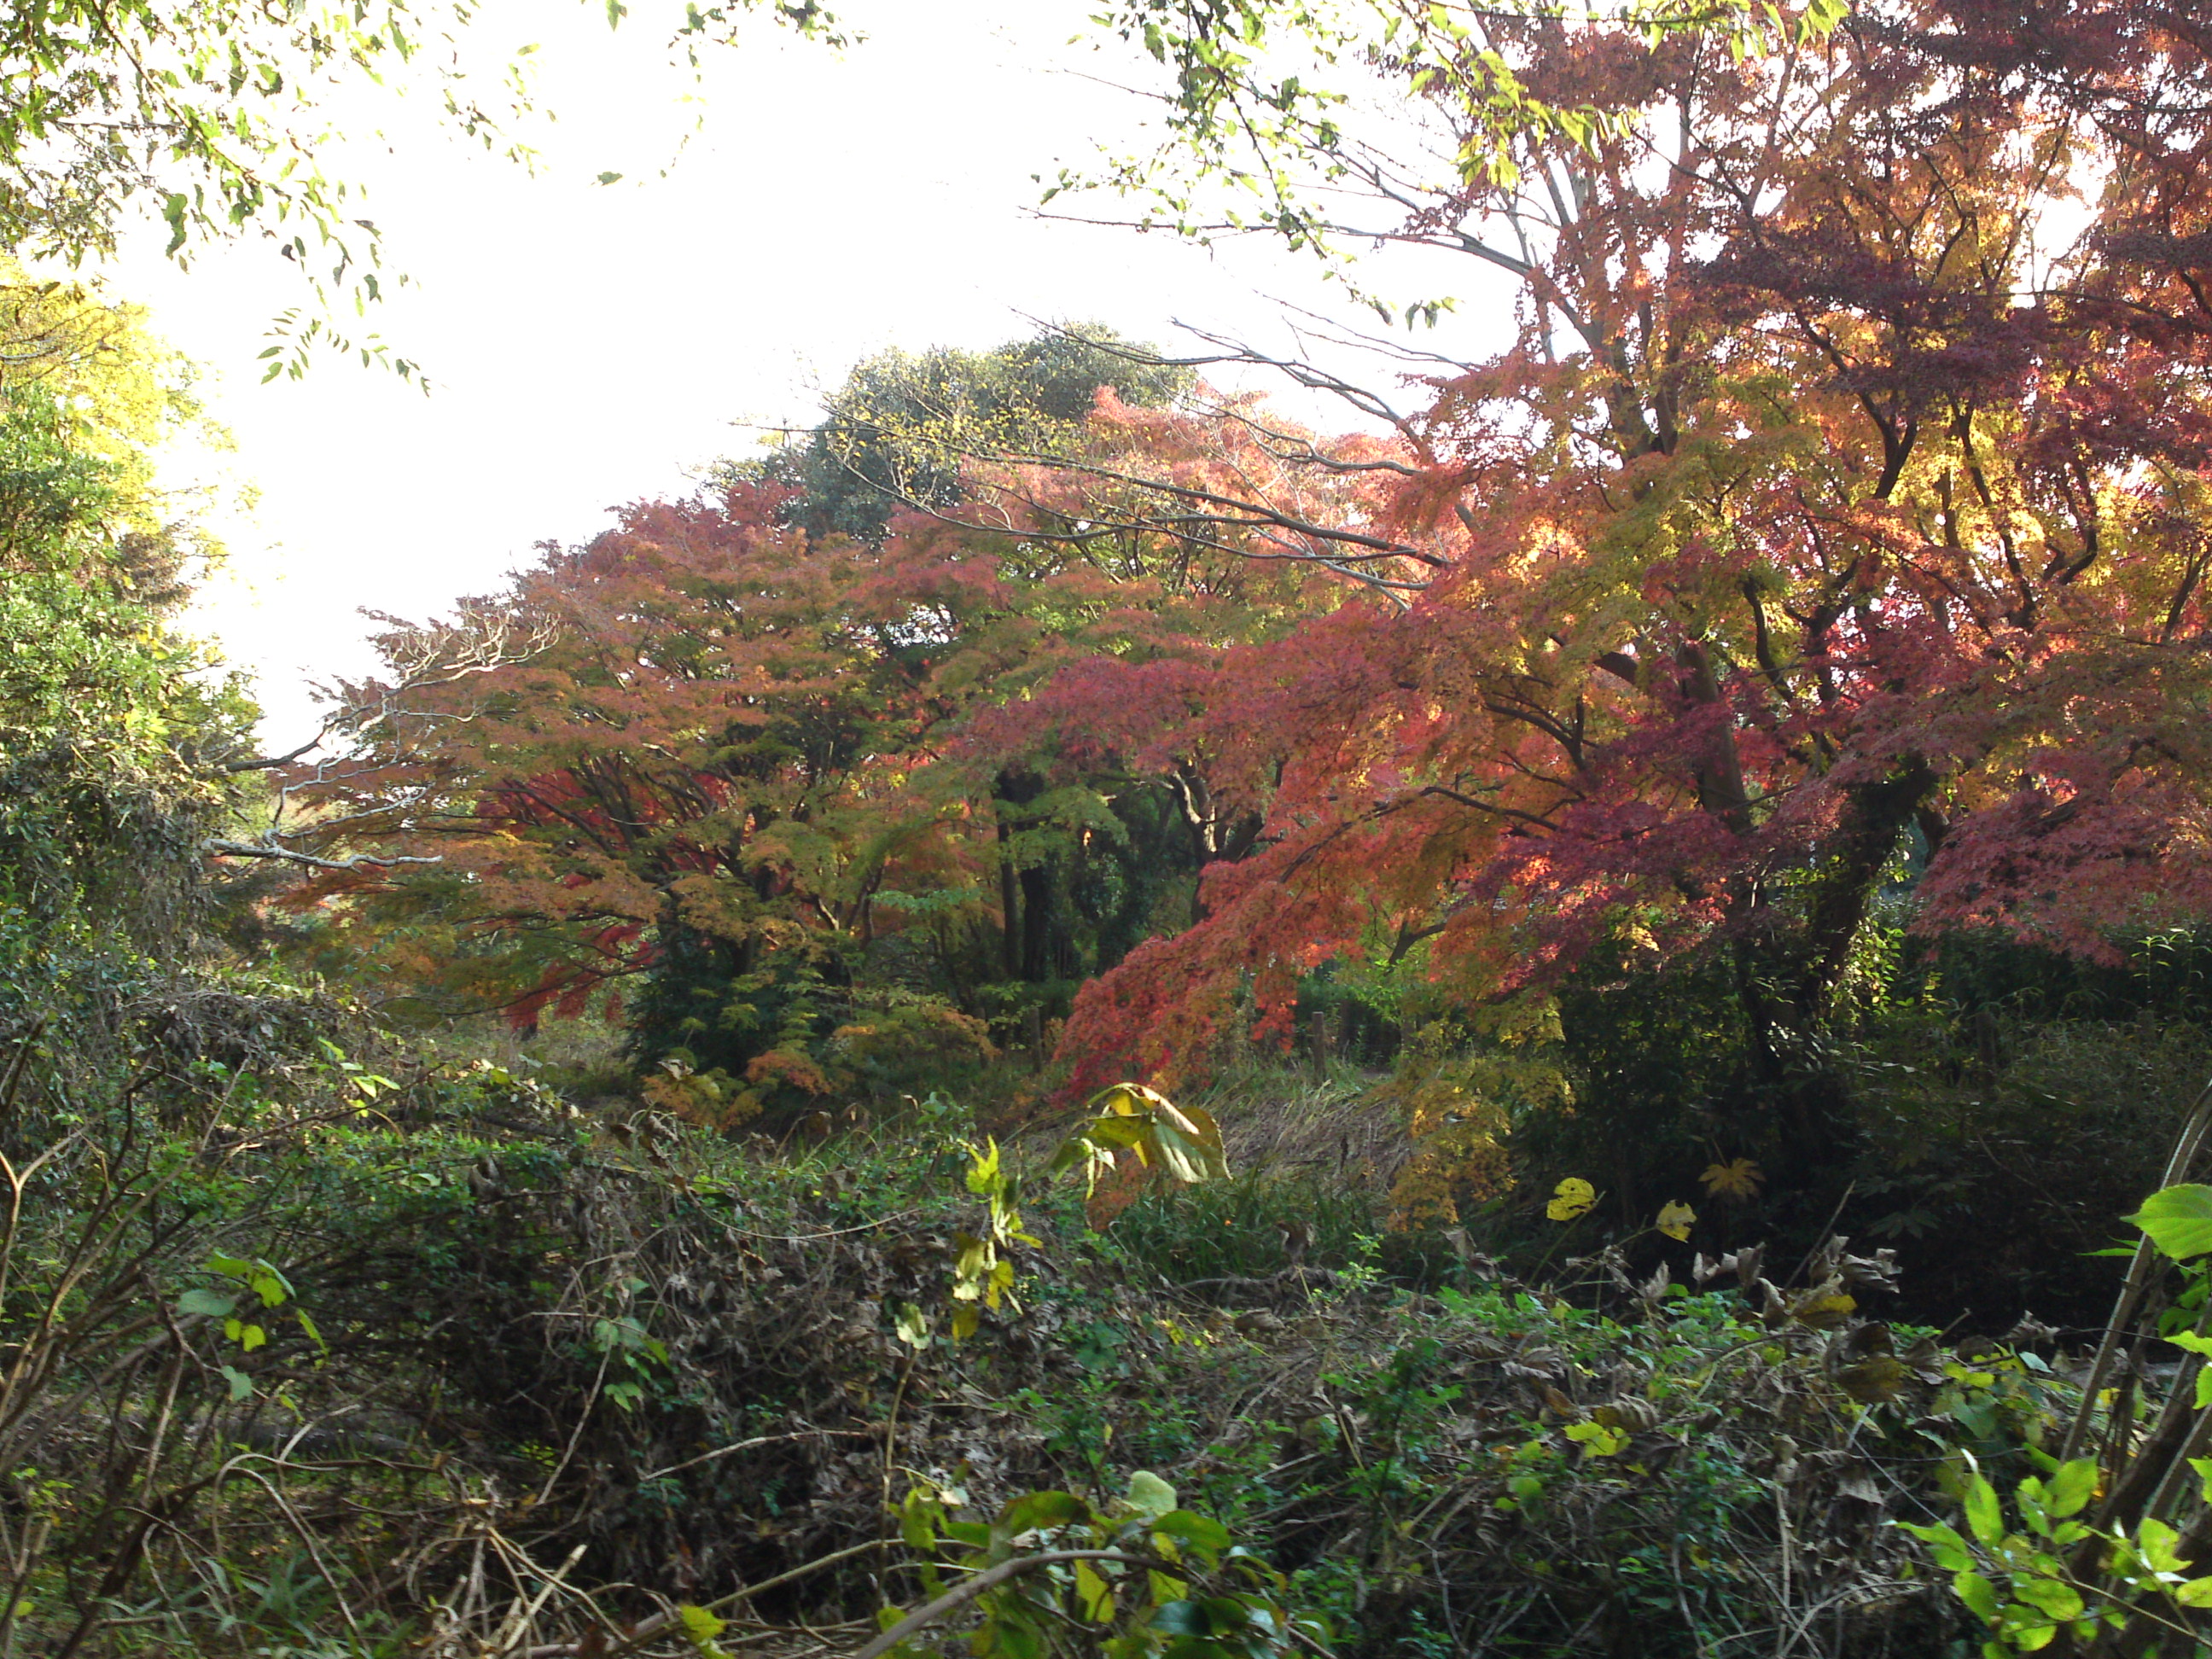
(589, 345)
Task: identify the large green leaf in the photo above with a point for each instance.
(1184, 1140)
(1150, 1496)
(1188, 1142)
(1982, 1514)
(2071, 1486)
(2048, 1595)
(1943, 1543)
(2179, 1221)
(1979, 1594)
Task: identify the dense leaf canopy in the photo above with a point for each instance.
(1827, 536)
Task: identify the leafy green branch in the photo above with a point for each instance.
(212, 108)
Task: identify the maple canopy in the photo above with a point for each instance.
(1828, 536)
(753, 783)
(1833, 523)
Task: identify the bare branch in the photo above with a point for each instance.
(247, 849)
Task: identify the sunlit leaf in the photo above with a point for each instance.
(702, 1627)
(1943, 1543)
(2179, 1221)
(1572, 1197)
(2071, 1485)
(1984, 1517)
(1094, 1596)
(2048, 1595)
(1150, 1496)
(2161, 1545)
(1597, 1439)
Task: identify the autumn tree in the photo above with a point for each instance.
(662, 748)
(1829, 527)
(1085, 858)
(761, 785)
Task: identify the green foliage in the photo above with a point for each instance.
(1264, 100)
(2104, 1557)
(409, 1298)
(720, 1004)
(213, 111)
(1957, 1074)
(2058, 1575)
(1183, 1140)
(2179, 1221)
(1054, 1573)
(1242, 1227)
(899, 429)
(114, 729)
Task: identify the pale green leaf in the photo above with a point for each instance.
(1150, 1496)
(1984, 1517)
(2071, 1486)
(2179, 1221)
(2059, 1600)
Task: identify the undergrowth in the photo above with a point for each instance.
(447, 1366)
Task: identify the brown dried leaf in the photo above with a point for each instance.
(1878, 1377)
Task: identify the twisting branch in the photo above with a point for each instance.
(248, 850)
(372, 717)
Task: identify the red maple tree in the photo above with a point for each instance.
(1834, 524)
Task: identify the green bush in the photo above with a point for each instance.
(1250, 1226)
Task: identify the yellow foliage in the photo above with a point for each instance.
(1458, 1154)
(1824, 1308)
(1457, 1101)
(123, 389)
(1571, 1198)
(1676, 1220)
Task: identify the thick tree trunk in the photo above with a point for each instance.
(1788, 974)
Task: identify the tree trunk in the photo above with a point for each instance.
(1009, 946)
